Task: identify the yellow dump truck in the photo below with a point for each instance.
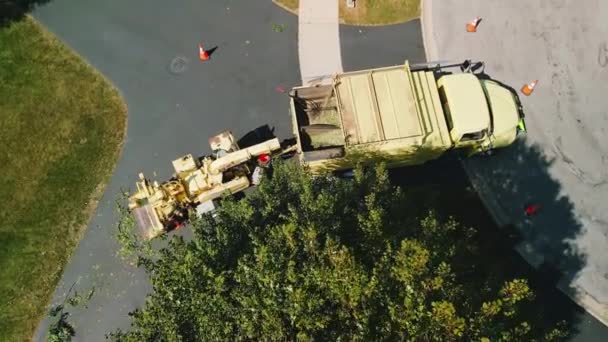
(401, 115)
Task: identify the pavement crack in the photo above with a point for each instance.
(577, 171)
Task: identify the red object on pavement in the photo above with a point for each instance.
(202, 53)
(531, 209)
(264, 158)
(280, 90)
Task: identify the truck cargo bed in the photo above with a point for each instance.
(387, 114)
(389, 103)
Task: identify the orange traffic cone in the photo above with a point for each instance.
(472, 25)
(202, 53)
(527, 89)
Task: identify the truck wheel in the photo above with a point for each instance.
(288, 155)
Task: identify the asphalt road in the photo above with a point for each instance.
(563, 162)
(369, 47)
(372, 47)
(148, 49)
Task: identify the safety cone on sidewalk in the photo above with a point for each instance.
(202, 53)
(472, 25)
(527, 89)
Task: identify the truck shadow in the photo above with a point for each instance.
(13, 10)
(506, 181)
(256, 136)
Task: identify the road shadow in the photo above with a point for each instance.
(13, 10)
(519, 176)
(513, 176)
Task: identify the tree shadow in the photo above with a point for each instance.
(13, 10)
(513, 246)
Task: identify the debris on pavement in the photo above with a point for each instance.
(278, 27)
(531, 209)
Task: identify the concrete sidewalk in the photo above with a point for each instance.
(563, 162)
(319, 40)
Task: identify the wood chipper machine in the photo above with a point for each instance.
(197, 182)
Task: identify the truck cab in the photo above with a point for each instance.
(481, 114)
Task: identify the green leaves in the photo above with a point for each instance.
(411, 261)
(278, 27)
(60, 328)
(323, 259)
(132, 246)
(445, 320)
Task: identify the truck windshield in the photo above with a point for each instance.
(472, 136)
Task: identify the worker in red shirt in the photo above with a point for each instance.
(263, 166)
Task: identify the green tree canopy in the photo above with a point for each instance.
(323, 258)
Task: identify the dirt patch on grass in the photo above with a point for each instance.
(369, 12)
(61, 132)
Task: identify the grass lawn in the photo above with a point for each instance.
(61, 130)
(370, 12)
